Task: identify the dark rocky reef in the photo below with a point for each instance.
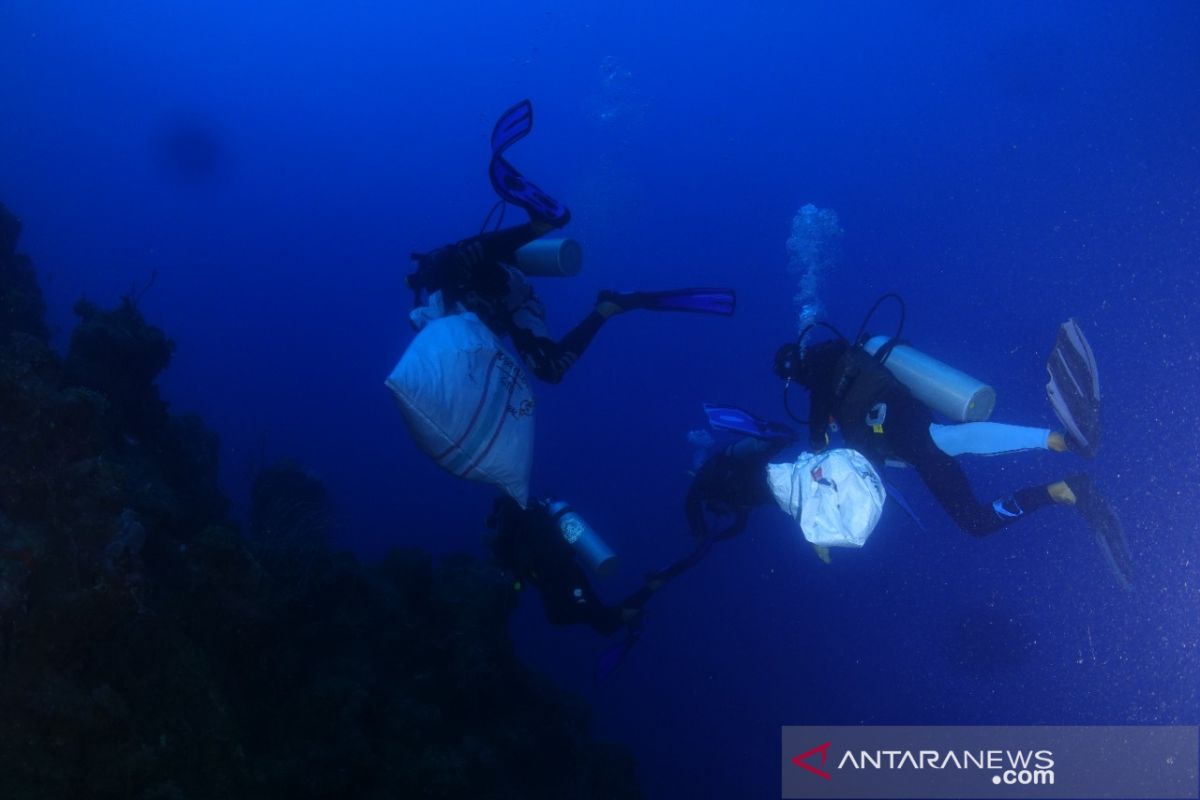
(149, 650)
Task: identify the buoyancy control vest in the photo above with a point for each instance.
(861, 382)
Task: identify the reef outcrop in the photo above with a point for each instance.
(150, 649)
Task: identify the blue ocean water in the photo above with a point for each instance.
(1003, 167)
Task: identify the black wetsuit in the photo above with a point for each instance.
(851, 387)
(529, 544)
(473, 273)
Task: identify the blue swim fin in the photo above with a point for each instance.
(895, 494)
(738, 420)
(697, 301)
(513, 126)
(513, 187)
(612, 656)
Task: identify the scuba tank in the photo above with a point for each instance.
(550, 258)
(943, 388)
(939, 386)
(582, 537)
(447, 267)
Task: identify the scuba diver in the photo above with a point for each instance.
(486, 274)
(856, 392)
(542, 546)
(733, 481)
(547, 544)
(727, 486)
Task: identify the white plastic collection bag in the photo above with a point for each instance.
(836, 496)
(468, 403)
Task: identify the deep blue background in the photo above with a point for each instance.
(1004, 168)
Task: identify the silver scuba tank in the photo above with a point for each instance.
(550, 258)
(582, 537)
(940, 386)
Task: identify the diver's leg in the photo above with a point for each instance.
(949, 485)
(989, 438)
(578, 338)
(909, 436)
(549, 360)
(568, 599)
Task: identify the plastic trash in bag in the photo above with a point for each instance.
(468, 403)
(836, 496)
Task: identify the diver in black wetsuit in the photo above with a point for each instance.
(477, 274)
(879, 417)
(529, 544)
(474, 274)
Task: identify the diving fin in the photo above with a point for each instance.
(513, 126)
(513, 187)
(738, 420)
(696, 301)
(1074, 389)
(1110, 536)
(894, 494)
(613, 655)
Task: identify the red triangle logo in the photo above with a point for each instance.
(823, 749)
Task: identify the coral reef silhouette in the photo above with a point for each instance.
(150, 650)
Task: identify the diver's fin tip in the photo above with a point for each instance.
(738, 420)
(1074, 388)
(1105, 526)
